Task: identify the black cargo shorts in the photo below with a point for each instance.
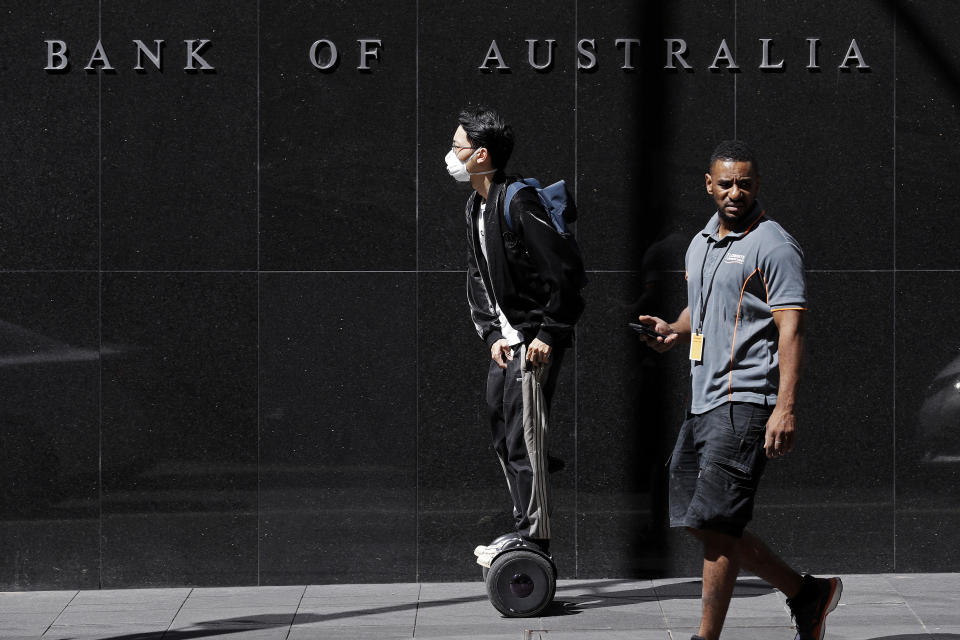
(716, 467)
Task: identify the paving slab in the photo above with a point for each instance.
(490, 632)
(321, 616)
(131, 596)
(239, 598)
(35, 601)
(921, 584)
(630, 589)
(25, 624)
(309, 632)
(598, 634)
(253, 617)
(372, 592)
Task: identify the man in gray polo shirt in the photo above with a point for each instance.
(744, 323)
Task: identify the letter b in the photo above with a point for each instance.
(59, 53)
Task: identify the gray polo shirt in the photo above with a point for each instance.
(757, 271)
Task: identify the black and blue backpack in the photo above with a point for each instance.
(555, 199)
(559, 204)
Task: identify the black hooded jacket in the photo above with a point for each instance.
(534, 273)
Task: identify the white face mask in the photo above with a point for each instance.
(458, 169)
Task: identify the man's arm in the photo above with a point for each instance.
(482, 312)
(676, 332)
(781, 427)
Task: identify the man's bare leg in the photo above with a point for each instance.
(757, 558)
(720, 568)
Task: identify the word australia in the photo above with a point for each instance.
(540, 55)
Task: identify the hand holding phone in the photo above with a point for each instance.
(645, 330)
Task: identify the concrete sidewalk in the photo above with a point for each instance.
(874, 607)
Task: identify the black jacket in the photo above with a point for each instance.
(534, 274)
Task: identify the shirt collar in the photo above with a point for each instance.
(713, 225)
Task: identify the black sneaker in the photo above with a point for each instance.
(817, 598)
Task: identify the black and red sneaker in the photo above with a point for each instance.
(809, 608)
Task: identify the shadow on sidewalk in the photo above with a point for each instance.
(690, 590)
(604, 599)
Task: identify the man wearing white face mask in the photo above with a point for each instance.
(523, 287)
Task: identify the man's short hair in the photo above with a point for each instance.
(736, 151)
(486, 128)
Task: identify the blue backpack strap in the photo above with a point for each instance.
(512, 189)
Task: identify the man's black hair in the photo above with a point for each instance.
(486, 128)
(734, 150)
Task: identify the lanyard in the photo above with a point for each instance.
(703, 301)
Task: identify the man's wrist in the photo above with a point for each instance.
(784, 406)
(682, 335)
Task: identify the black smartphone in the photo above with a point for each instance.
(645, 330)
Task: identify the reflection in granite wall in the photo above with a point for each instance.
(235, 343)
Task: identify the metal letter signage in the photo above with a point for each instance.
(367, 51)
(56, 49)
(325, 56)
(723, 53)
(493, 55)
(193, 55)
(853, 53)
(765, 58)
(678, 56)
(590, 54)
(58, 56)
(315, 55)
(532, 55)
(675, 53)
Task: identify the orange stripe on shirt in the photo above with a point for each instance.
(736, 322)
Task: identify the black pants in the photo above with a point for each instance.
(518, 404)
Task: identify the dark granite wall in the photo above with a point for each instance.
(235, 347)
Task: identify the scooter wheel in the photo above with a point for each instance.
(521, 584)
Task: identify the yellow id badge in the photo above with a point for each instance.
(696, 347)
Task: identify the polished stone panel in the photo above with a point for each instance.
(927, 99)
(463, 497)
(834, 198)
(49, 215)
(179, 446)
(644, 136)
(179, 147)
(630, 405)
(463, 500)
(927, 421)
(49, 431)
(338, 415)
(338, 147)
(840, 475)
(538, 104)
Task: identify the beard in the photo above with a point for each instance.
(732, 220)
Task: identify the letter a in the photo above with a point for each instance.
(99, 55)
(493, 55)
(853, 53)
(723, 53)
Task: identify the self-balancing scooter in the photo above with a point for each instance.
(521, 579)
